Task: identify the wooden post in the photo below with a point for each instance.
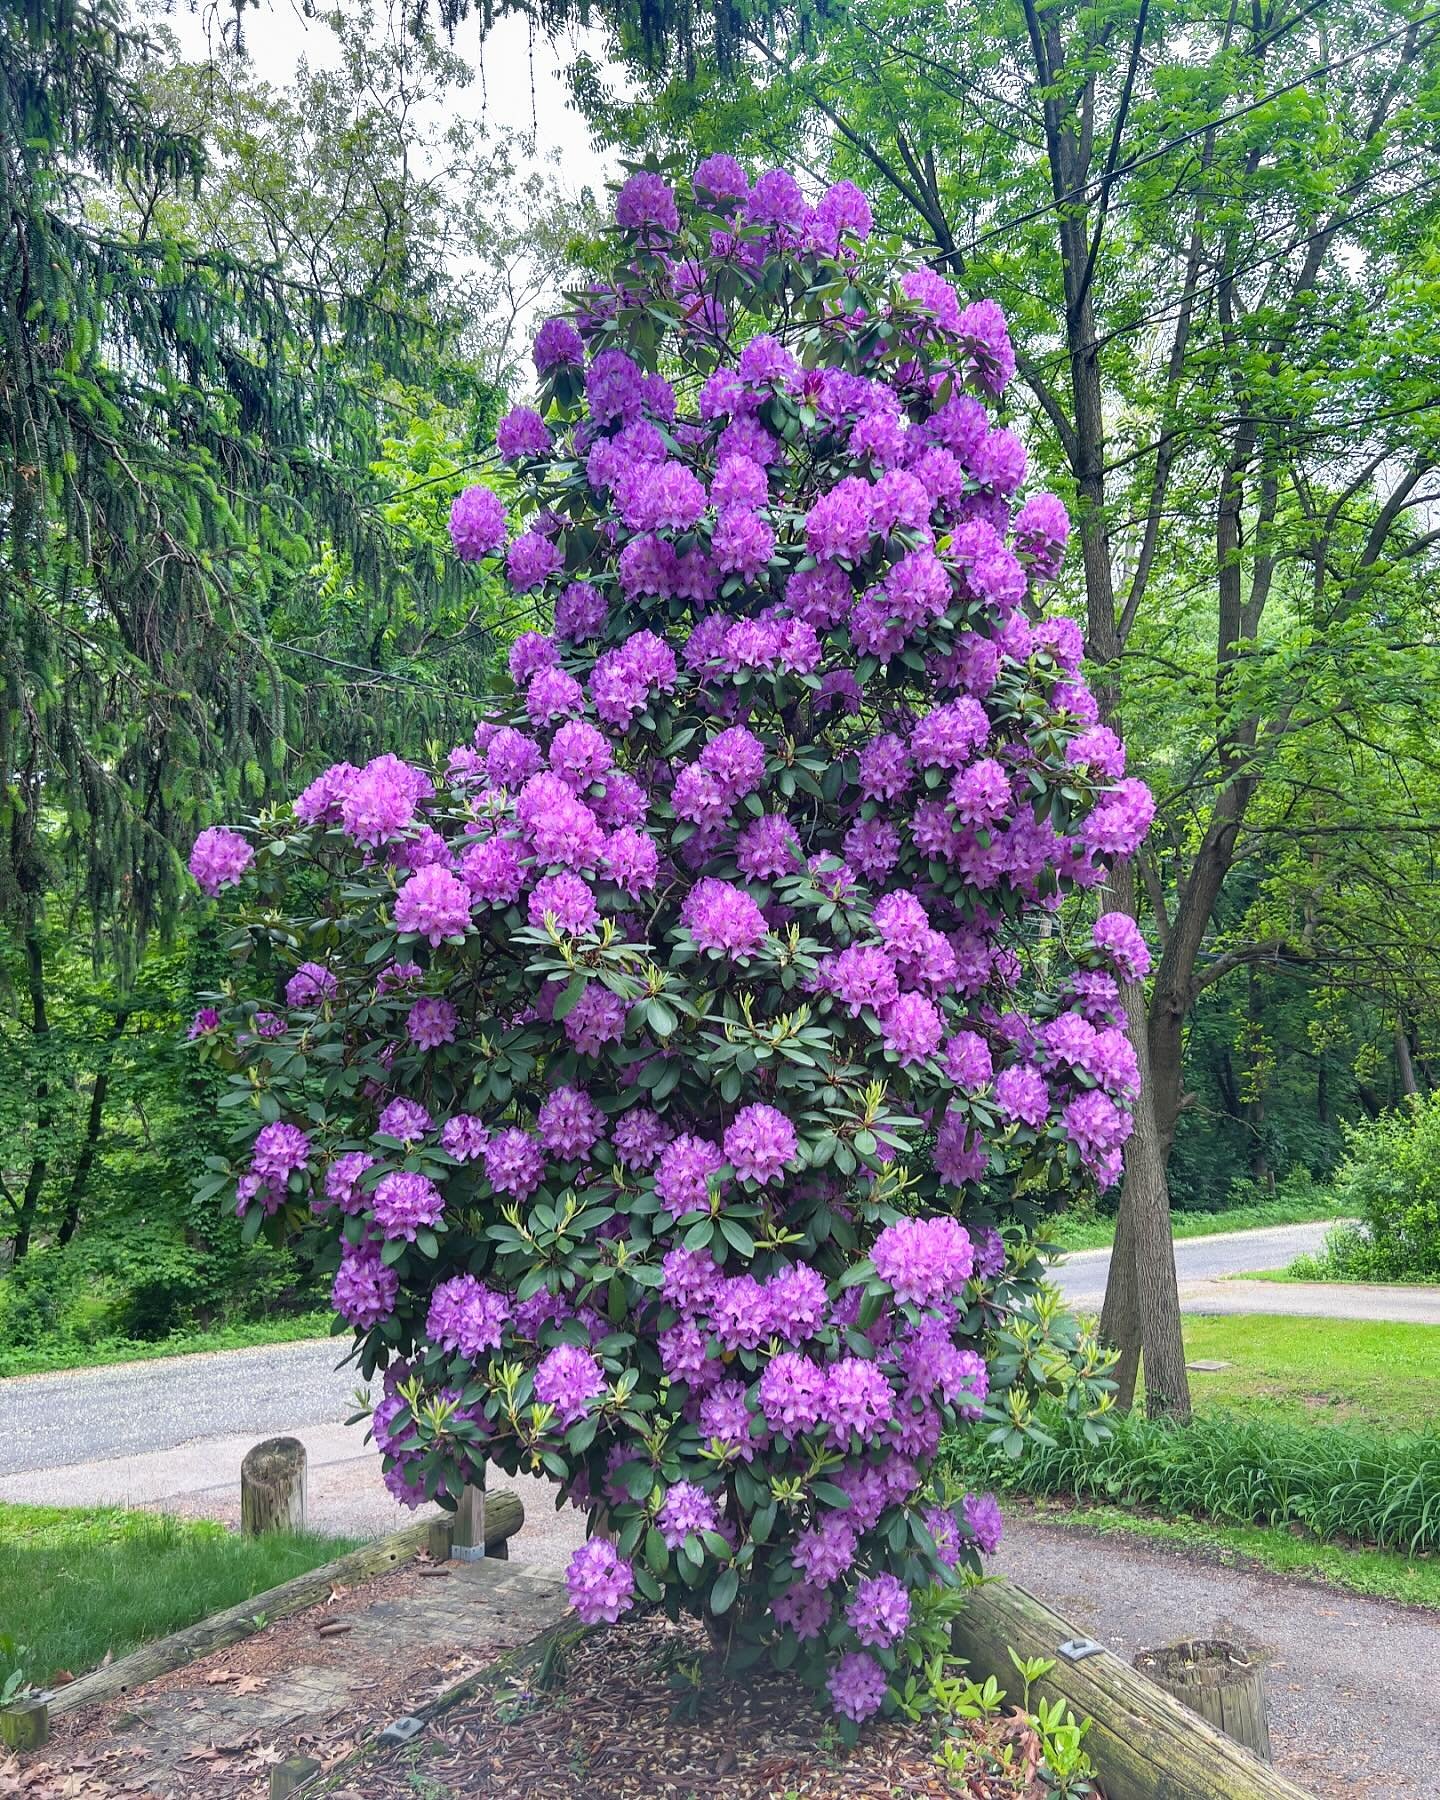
(467, 1528)
(25, 1725)
(272, 1487)
(1218, 1681)
(1145, 1745)
(287, 1776)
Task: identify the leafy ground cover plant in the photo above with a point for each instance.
(672, 1076)
(1339, 1485)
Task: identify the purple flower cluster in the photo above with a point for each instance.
(688, 1009)
(568, 1378)
(477, 524)
(434, 904)
(600, 1583)
(405, 1202)
(219, 859)
(364, 1291)
(924, 1260)
(467, 1316)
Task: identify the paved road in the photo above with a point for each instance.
(56, 1422)
(49, 1421)
(1082, 1275)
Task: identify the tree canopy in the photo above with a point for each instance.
(1214, 230)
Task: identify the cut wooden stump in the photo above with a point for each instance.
(272, 1487)
(1144, 1744)
(1217, 1680)
(504, 1516)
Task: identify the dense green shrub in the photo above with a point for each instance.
(1335, 1483)
(141, 1280)
(1389, 1182)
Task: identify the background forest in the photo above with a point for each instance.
(255, 339)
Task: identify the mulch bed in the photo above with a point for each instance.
(92, 1755)
(606, 1729)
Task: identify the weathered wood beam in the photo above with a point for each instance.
(504, 1516)
(1145, 1746)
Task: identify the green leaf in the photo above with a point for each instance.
(568, 1000)
(737, 1236)
(722, 1594)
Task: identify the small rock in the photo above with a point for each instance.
(1207, 1366)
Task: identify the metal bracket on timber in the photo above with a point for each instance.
(1144, 1744)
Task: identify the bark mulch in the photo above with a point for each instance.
(213, 1729)
(642, 1712)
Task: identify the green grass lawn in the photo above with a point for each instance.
(1380, 1377)
(1317, 1452)
(68, 1354)
(77, 1583)
(1387, 1574)
(1098, 1234)
(1303, 1271)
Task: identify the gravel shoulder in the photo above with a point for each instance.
(1351, 1681)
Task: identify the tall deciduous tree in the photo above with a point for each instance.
(1214, 226)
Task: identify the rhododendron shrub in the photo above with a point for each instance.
(671, 1076)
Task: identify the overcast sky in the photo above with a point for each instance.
(518, 76)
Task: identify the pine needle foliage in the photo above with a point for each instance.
(184, 437)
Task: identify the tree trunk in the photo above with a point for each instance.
(1260, 1171)
(95, 1118)
(1144, 1313)
(1141, 1315)
(1404, 1062)
(44, 1103)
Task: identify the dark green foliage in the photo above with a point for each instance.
(181, 434)
(122, 1249)
(1337, 1484)
(1390, 1182)
(225, 467)
(656, 31)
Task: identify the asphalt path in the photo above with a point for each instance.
(129, 1409)
(1082, 1274)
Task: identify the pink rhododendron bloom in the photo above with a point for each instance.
(774, 855)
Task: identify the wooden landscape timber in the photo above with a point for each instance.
(504, 1516)
(1144, 1744)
